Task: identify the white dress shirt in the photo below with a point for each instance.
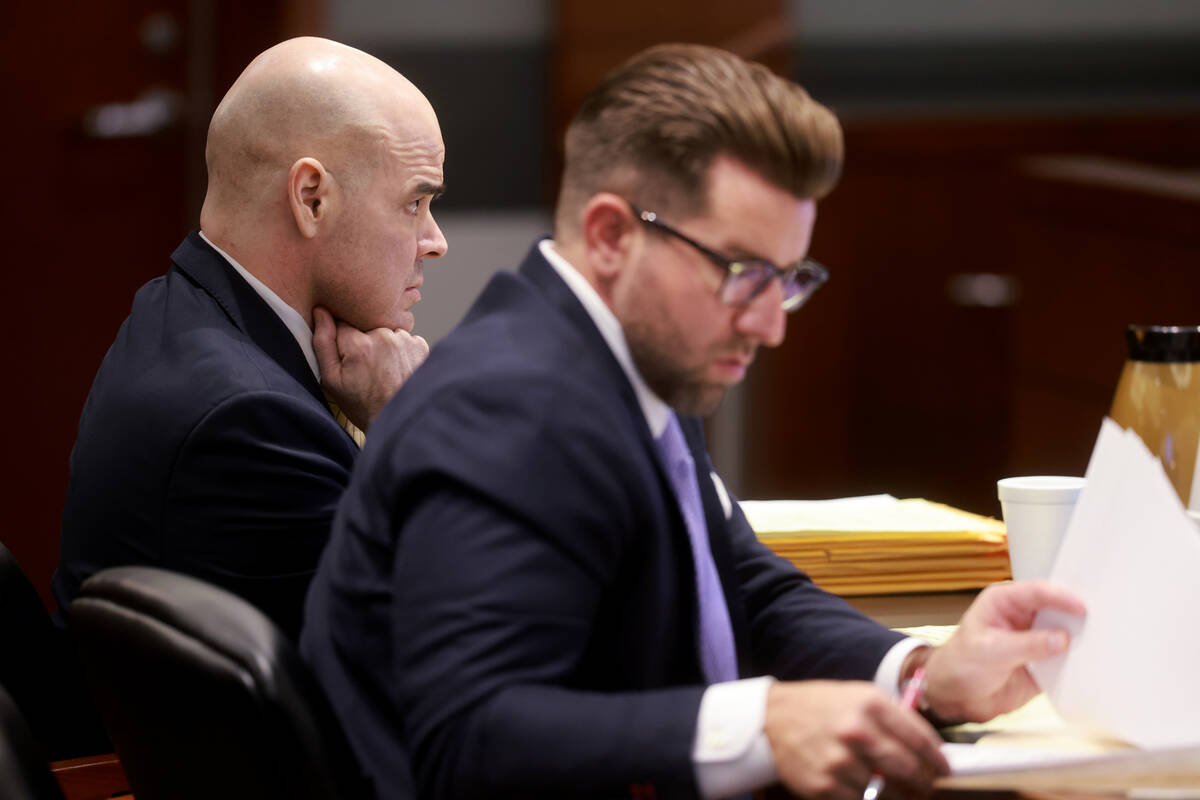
(731, 753)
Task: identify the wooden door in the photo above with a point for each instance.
(108, 105)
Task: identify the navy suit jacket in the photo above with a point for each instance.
(205, 445)
(509, 592)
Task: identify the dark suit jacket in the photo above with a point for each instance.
(205, 445)
(509, 590)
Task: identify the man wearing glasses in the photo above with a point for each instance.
(537, 584)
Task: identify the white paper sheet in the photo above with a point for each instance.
(1133, 555)
(1050, 769)
(979, 759)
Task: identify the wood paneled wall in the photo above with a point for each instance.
(887, 383)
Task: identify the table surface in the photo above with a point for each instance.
(913, 610)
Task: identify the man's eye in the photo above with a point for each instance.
(413, 207)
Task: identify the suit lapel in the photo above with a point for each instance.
(205, 267)
(543, 276)
(537, 271)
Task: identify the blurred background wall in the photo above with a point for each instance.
(1022, 182)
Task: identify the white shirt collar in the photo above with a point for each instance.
(287, 315)
(653, 408)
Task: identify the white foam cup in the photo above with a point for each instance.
(1036, 511)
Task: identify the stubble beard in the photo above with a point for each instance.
(655, 353)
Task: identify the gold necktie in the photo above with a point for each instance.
(355, 433)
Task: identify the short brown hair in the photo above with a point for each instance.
(652, 128)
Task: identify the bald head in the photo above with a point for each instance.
(305, 97)
(322, 161)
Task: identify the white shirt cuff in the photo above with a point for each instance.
(887, 675)
(731, 753)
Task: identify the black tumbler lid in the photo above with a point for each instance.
(1173, 343)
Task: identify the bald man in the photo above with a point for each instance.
(222, 425)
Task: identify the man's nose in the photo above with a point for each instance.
(763, 319)
(433, 243)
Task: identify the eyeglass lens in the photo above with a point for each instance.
(743, 286)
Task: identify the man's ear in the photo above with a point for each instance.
(608, 232)
(310, 194)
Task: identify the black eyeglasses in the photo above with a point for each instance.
(747, 278)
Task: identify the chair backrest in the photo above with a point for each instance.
(24, 774)
(202, 695)
(40, 671)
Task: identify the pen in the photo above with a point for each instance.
(910, 698)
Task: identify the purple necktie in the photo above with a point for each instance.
(717, 652)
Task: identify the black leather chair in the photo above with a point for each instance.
(202, 695)
(23, 771)
(39, 669)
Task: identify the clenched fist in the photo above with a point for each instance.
(362, 370)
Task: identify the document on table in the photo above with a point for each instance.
(1039, 766)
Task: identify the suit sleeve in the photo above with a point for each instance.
(252, 496)
(499, 572)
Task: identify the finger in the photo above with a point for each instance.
(348, 335)
(408, 336)
(1017, 691)
(890, 758)
(917, 748)
(901, 790)
(843, 790)
(1062, 599)
(325, 341)
(852, 777)
(1020, 647)
(895, 747)
(913, 730)
(1029, 597)
(424, 345)
(895, 788)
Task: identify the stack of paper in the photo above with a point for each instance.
(1133, 555)
(881, 545)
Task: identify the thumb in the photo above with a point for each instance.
(325, 341)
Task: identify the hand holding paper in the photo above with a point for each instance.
(1133, 555)
(980, 671)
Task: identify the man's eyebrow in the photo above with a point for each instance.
(739, 253)
(435, 189)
